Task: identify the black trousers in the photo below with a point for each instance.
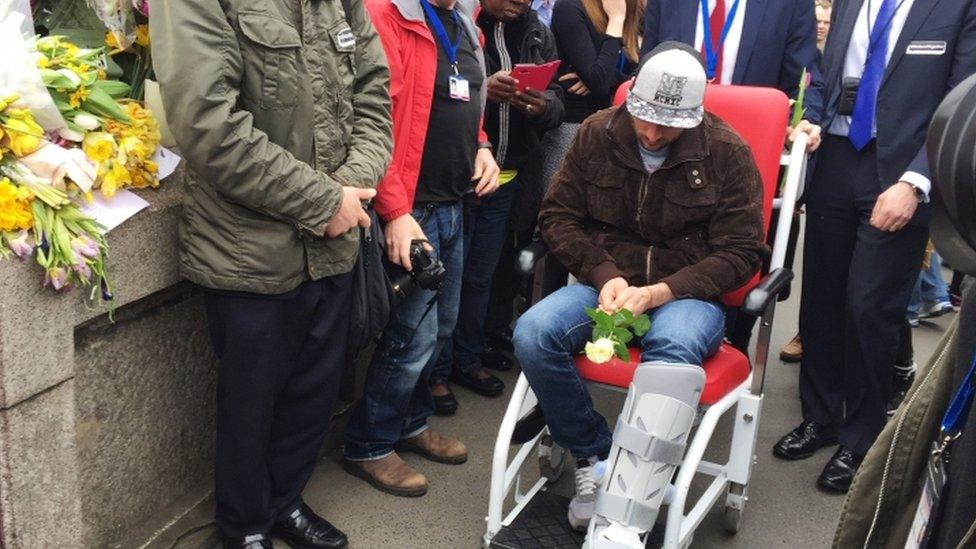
(281, 359)
(857, 282)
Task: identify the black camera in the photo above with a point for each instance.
(848, 94)
(428, 273)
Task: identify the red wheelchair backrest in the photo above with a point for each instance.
(760, 116)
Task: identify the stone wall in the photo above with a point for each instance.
(102, 425)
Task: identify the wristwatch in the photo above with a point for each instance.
(919, 193)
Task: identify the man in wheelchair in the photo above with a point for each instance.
(656, 208)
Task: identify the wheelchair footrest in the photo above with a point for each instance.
(543, 524)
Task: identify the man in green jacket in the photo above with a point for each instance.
(282, 112)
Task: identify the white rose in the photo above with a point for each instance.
(599, 351)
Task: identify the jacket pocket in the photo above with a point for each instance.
(605, 196)
(272, 54)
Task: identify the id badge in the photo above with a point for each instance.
(458, 86)
(928, 504)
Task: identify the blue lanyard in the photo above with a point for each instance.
(955, 417)
(711, 55)
(435, 21)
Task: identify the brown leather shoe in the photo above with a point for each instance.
(390, 474)
(792, 351)
(435, 447)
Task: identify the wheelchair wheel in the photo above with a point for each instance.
(732, 518)
(552, 459)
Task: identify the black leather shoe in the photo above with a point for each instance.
(803, 441)
(494, 359)
(445, 405)
(839, 472)
(489, 387)
(254, 541)
(900, 384)
(303, 529)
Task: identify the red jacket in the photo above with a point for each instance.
(412, 55)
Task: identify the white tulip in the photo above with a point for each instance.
(87, 121)
(599, 351)
(70, 75)
(71, 135)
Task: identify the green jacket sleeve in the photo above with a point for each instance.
(372, 141)
(199, 67)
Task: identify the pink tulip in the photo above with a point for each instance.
(57, 278)
(85, 246)
(21, 244)
(82, 269)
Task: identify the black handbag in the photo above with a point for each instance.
(372, 298)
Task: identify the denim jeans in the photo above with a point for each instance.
(930, 286)
(485, 227)
(550, 334)
(397, 401)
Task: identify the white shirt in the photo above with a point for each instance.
(857, 53)
(730, 50)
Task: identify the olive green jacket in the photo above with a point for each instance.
(882, 500)
(275, 105)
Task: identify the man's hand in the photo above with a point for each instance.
(400, 234)
(579, 88)
(351, 213)
(501, 87)
(609, 292)
(813, 134)
(639, 300)
(531, 102)
(486, 172)
(894, 208)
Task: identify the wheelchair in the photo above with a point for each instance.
(521, 516)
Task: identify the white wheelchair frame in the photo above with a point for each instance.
(731, 478)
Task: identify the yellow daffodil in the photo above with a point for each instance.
(115, 177)
(99, 146)
(78, 97)
(142, 35)
(113, 43)
(16, 213)
(23, 134)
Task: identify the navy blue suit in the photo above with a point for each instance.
(779, 39)
(857, 280)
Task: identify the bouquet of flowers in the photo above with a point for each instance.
(612, 333)
(78, 84)
(35, 216)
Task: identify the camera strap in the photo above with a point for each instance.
(413, 333)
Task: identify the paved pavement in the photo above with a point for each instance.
(785, 508)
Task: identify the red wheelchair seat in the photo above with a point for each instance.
(724, 371)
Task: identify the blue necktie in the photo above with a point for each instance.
(862, 119)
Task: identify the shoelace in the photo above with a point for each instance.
(585, 483)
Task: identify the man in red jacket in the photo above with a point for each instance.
(440, 154)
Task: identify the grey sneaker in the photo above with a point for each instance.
(588, 475)
(934, 309)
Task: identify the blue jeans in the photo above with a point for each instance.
(550, 334)
(397, 401)
(485, 227)
(930, 286)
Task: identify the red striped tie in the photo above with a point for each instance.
(716, 22)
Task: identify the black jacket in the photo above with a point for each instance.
(517, 138)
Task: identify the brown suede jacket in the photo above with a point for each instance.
(695, 224)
